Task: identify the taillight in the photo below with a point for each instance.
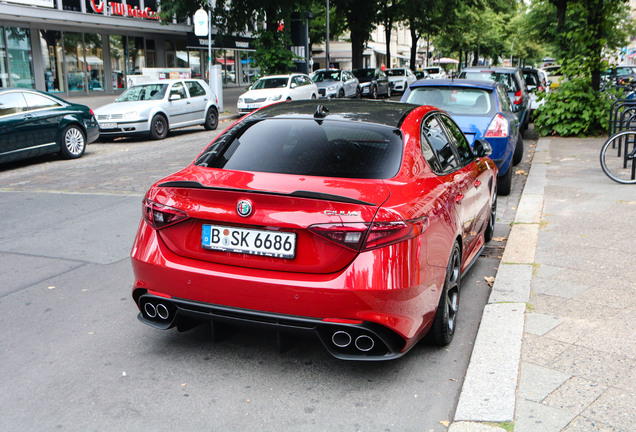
(518, 98)
(160, 216)
(498, 127)
(367, 236)
(540, 88)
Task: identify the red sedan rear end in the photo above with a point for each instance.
(352, 220)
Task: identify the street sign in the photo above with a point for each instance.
(201, 22)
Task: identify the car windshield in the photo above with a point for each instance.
(143, 92)
(309, 148)
(432, 70)
(395, 72)
(454, 100)
(505, 78)
(270, 83)
(364, 73)
(326, 76)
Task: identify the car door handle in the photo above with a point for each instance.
(28, 116)
(188, 103)
(459, 198)
(477, 183)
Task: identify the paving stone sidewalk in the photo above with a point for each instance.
(569, 272)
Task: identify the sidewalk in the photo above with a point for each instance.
(556, 348)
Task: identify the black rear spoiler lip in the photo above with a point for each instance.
(297, 194)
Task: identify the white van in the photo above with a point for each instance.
(436, 72)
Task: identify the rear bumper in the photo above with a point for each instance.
(386, 300)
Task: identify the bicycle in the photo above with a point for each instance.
(618, 157)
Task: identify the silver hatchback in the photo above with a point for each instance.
(154, 108)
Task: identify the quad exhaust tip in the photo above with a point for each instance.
(159, 310)
(343, 339)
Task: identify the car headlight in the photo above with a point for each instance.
(332, 87)
(275, 97)
(130, 115)
(367, 84)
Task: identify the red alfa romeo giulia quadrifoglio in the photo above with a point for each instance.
(352, 220)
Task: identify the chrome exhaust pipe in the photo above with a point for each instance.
(150, 310)
(364, 343)
(162, 311)
(341, 339)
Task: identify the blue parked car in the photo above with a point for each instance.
(482, 110)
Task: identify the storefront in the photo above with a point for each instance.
(88, 47)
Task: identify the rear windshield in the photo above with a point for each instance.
(454, 100)
(309, 148)
(505, 78)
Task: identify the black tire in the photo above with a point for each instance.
(504, 183)
(374, 92)
(620, 167)
(388, 91)
(445, 321)
(211, 119)
(158, 127)
(358, 93)
(313, 96)
(518, 154)
(490, 228)
(341, 93)
(72, 142)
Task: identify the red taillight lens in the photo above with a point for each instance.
(518, 98)
(367, 236)
(160, 216)
(498, 127)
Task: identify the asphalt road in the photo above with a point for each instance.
(75, 357)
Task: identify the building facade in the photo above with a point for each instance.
(87, 47)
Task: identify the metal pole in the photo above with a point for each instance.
(327, 46)
(210, 43)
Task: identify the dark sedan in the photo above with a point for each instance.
(373, 82)
(33, 123)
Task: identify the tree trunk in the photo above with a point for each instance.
(475, 58)
(595, 23)
(388, 26)
(414, 39)
(357, 49)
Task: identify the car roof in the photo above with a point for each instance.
(501, 69)
(485, 85)
(365, 111)
(167, 81)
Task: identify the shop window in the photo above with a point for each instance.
(4, 74)
(249, 71)
(226, 59)
(94, 61)
(182, 54)
(136, 60)
(20, 57)
(152, 4)
(171, 56)
(74, 60)
(194, 58)
(117, 61)
(72, 5)
(151, 53)
(133, 3)
(53, 60)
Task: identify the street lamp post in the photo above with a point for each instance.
(327, 45)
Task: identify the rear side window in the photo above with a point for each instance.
(308, 147)
(36, 101)
(433, 132)
(195, 89)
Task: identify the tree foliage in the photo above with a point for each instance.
(581, 33)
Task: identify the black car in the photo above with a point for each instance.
(34, 123)
(513, 81)
(373, 82)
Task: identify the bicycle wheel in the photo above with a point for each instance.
(618, 157)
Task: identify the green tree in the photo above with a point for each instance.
(360, 16)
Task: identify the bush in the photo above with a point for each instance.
(573, 109)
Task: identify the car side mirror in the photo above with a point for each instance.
(482, 148)
(174, 97)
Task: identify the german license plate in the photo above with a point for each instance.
(249, 241)
(108, 125)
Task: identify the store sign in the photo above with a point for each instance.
(124, 10)
(41, 3)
